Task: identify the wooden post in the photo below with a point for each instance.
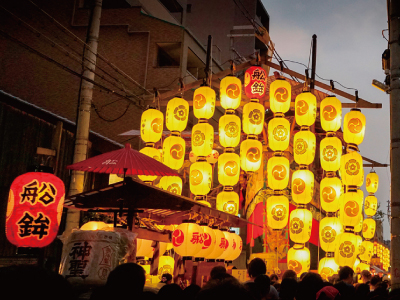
(313, 61)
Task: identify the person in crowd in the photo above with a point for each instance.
(345, 284)
(165, 279)
(362, 291)
(225, 288)
(333, 279)
(366, 276)
(289, 274)
(274, 279)
(309, 286)
(328, 293)
(216, 271)
(257, 267)
(190, 292)
(373, 283)
(380, 292)
(170, 292)
(302, 275)
(288, 288)
(259, 288)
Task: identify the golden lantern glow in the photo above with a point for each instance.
(361, 267)
(229, 131)
(300, 223)
(305, 109)
(228, 241)
(202, 139)
(173, 152)
(114, 178)
(192, 157)
(354, 127)
(228, 202)
(94, 225)
(358, 243)
(165, 265)
(280, 92)
(351, 169)
(350, 205)
(186, 239)
(356, 263)
(177, 114)
(331, 113)
(277, 211)
(304, 147)
(298, 259)
(329, 230)
(219, 247)
(237, 246)
(204, 202)
(372, 182)
(327, 267)
(144, 248)
(152, 124)
(368, 229)
(302, 186)
(204, 102)
(330, 153)
(250, 155)
(278, 172)
(172, 184)
(370, 205)
(253, 118)
(330, 191)
(359, 226)
(366, 251)
(278, 134)
(200, 178)
(230, 92)
(153, 153)
(346, 249)
(213, 157)
(208, 237)
(228, 169)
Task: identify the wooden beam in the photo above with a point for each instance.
(151, 235)
(373, 163)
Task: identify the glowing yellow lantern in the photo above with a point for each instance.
(230, 92)
(302, 186)
(144, 248)
(368, 230)
(250, 155)
(228, 169)
(208, 237)
(228, 202)
(356, 263)
(94, 225)
(372, 182)
(192, 157)
(172, 184)
(351, 169)
(229, 131)
(153, 153)
(330, 153)
(330, 190)
(300, 224)
(204, 202)
(277, 211)
(358, 243)
(177, 114)
(237, 246)
(204, 102)
(213, 157)
(278, 134)
(165, 266)
(152, 123)
(186, 239)
(202, 139)
(370, 205)
(350, 205)
(219, 247)
(278, 172)
(200, 178)
(227, 245)
(114, 178)
(304, 147)
(329, 230)
(366, 251)
(331, 113)
(173, 152)
(280, 92)
(354, 127)
(305, 109)
(346, 249)
(327, 267)
(298, 259)
(359, 226)
(253, 118)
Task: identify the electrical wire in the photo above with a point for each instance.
(111, 120)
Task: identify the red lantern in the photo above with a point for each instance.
(255, 82)
(34, 209)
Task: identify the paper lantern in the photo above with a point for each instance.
(350, 205)
(255, 82)
(366, 251)
(368, 229)
(330, 191)
(230, 92)
(330, 153)
(359, 241)
(165, 266)
(359, 226)
(280, 92)
(229, 131)
(331, 113)
(208, 237)
(277, 211)
(152, 123)
(278, 172)
(228, 169)
(144, 248)
(300, 223)
(278, 134)
(237, 246)
(329, 230)
(298, 259)
(370, 205)
(204, 102)
(305, 109)
(173, 152)
(250, 155)
(200, 178)
(114, 178)
(202, 139)
(304, 147)
(177, 114)
(212, 158)
(302, 186)
(172, 184)
(228, 202)
(192, 157)
(228, 242)
(253, 118)
(346, 249)
(372, 182)
(153, 153)
(219, 244)
(351, 169)
(34, 209)
(361, 267)
(187, 239)
(356, 263)
(94, 225)
(327, 267)
(354, 127)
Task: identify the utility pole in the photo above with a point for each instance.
(313, 62)
(394, 44)
(85, 103)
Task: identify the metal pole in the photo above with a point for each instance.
(208, 68)
(85, 103)
(313, 61)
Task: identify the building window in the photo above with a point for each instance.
(168, 54)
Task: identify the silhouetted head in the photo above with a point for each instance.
(217, 270)
(289, 274)
(256, 267)
(126, 279)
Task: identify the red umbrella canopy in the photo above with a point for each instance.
(124, 160)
